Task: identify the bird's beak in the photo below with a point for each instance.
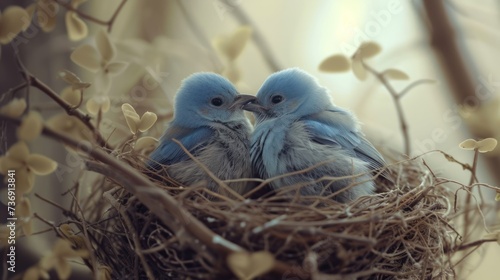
(242, 100)
(249, 103)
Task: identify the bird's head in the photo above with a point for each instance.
(205, 98)
(291, 92)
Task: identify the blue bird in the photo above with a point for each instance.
(298, 127)
(210, 123)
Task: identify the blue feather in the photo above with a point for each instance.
(329, 128)
(169, 152)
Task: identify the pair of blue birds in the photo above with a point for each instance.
(297, 128)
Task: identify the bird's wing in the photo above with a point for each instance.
(168, 152)
(333, 128)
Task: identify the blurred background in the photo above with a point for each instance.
(165, 41)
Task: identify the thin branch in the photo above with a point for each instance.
(397, 103)
(64, 210)
(415, 84)
(109, 23)
(68, 7)
(70, 110)
(137, 243)
(88, 244)
(474, 167)
(18, 87)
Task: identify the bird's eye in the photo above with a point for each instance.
(216, 101)
(277, 99)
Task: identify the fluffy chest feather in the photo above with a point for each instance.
(226, 155)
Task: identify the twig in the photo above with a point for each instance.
(88, 244)
(64, 210)
(45, 222)
(109, 23)
(18, 87)
(473, 244)
(474, 167)
(68, 7)
(135, 239)
(70, 110)
(397, 103)
(415, 84)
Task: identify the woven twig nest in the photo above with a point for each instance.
(400, 233)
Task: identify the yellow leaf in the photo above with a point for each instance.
(69, 77)
(71, 96)
(35, 272)
(497, 197)
(25, 180)
(369, 49)
(231, 46)
(395, 74)
(31, 10)
(77, 29)
(13, 20)
(63, 269)
(358, 68)
(18, 152)
(70, 125)
(30, 127)
(7, 164)
(87, 57)
(24, 208)
(46, 14)
(335, 63)
(98, 103)
(104, 46)
(104, 272)
(469, 144)
(27, 227)
(41, 165)
(145, 143)
(148, 119)
(131, 117)
(250, 265)
(487, 145)
(14, 108)
(116, 68)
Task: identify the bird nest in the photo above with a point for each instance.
(402, 232)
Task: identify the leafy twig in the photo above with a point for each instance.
(70, 110)
(397, 103)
